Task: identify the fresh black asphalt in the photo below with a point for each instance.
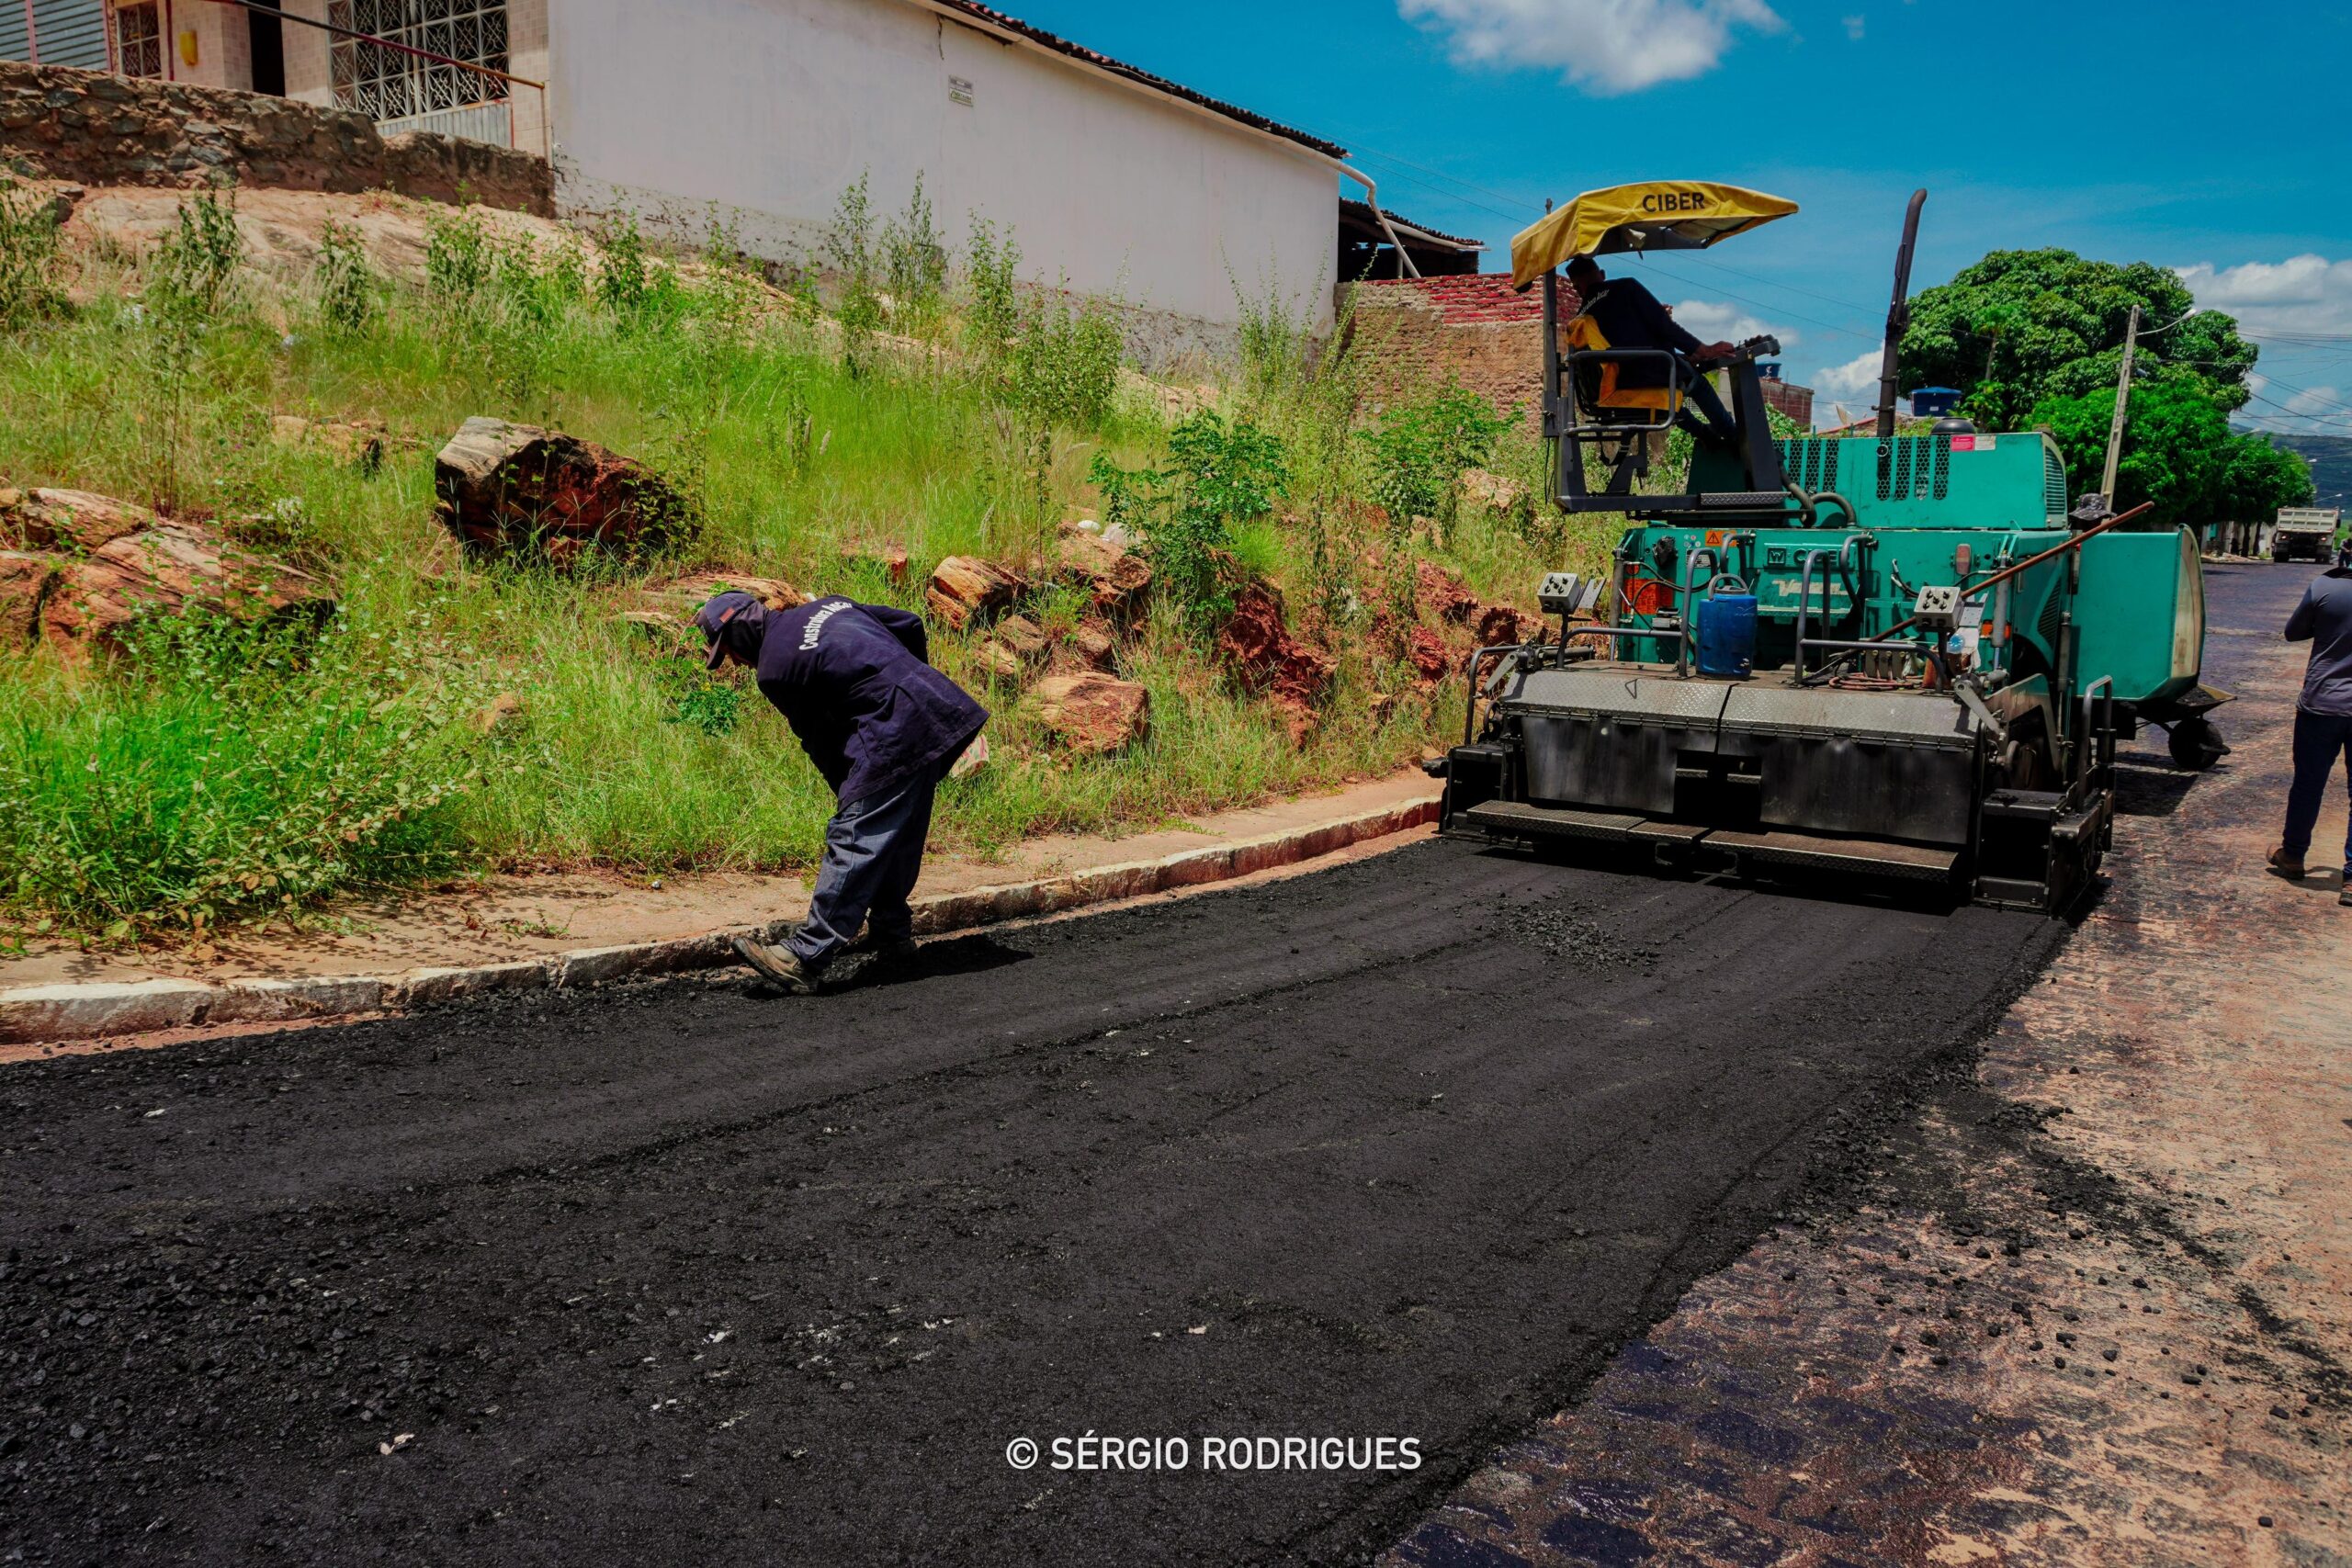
(676, 1274)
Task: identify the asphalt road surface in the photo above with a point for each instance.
(673, 1274)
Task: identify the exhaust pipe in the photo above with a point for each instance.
(1898, 316)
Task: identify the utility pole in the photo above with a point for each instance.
(2122, 400)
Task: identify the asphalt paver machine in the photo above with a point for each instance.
(1899, 657)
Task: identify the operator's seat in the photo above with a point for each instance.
(1596, 381)
(1601, 400)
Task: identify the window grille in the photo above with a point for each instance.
(386, 84)
(138, 40)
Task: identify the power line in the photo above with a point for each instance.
(1776, 310)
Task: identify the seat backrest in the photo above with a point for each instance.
(1596, 381)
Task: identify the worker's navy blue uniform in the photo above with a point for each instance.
(1629, 316)
(2324, 711)
(883, 726)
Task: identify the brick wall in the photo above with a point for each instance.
(63, 124)
(1793, 400)
(1412, 335)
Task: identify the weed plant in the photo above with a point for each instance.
(209, 774)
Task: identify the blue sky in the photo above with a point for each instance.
(2213, 137)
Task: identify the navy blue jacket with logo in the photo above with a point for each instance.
(855, 684)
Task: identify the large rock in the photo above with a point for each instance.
(25, 579)
(1259, 648)
(521, 491)
(1441, 593)
(359, 442)
(968, 589)
(76, 521)
(1499, 624)
(83, 567)
(1091, 714)
(1118, 580)
(1426, 651)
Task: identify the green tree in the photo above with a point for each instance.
(2020, 327)
(2179, 452)
(2258, 478)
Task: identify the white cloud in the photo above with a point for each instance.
(1854, 26)
(2302, 294)
(2317, 400)
(1854, 382)
(1712, 321)
(1605, 46)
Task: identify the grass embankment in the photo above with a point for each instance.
(219, 775)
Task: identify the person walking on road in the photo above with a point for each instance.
(2322, 713)
(855, 682)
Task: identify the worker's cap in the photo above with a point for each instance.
(733, 619)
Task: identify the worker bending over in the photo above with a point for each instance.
(1629, 316)
(855, 682)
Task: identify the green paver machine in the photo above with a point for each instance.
(2305, 533)
(1888, 656)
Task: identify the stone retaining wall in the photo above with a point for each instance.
(100, 130)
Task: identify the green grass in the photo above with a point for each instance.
(216, 777)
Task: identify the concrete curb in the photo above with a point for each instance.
(43, 1014)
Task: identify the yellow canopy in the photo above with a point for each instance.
(1655, 215)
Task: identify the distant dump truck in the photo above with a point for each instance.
(2305, 533)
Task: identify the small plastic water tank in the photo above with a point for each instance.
(1725, 640)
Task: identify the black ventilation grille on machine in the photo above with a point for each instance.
(1810, 462)
(2053, 487)
(1915, 468)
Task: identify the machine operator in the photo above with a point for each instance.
(1629, 316)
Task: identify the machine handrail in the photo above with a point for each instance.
(1470, 709)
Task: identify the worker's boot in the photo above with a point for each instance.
(2286, 866)
(779, 967)
(884, 949)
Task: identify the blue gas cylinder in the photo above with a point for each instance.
(1725, 644)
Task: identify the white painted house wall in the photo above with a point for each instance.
(769, 109)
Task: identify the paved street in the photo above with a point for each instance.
(1412, 1148)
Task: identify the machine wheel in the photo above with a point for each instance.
(2196, 745)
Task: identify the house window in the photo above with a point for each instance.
(387, 83)
(138, 40)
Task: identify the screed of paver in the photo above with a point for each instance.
(2093, 1307)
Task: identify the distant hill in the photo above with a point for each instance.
(2330, 460)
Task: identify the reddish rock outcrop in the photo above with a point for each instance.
(1092, 714)
(1257, 646)
(968, 589)
(520, 492)
(74, 520)
(1118, 579)
(1499, 624)
(1426, 653)
(1441, 593)
(76, 567)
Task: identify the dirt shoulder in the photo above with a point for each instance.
(2093, 1307)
